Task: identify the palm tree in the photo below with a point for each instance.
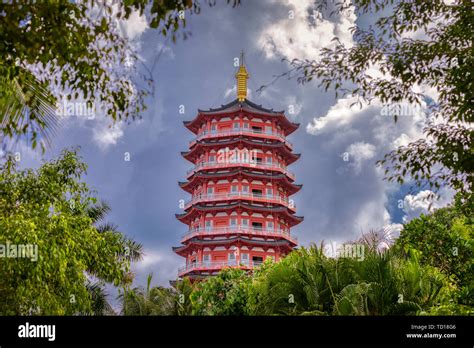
(299, 284)
(306, 282)
(184, 289)
(130, 251)
(149, 300)
(100, 305)
(377, 240)
(27, 109)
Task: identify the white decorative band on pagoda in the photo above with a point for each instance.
(241, 195)
(239, 131)
(209, 266)
(240, 229)
(247, 164)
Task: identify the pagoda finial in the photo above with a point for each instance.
(241, 78)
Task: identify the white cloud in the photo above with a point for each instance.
(151, 258)
(425, 202)
(134, 26)
(365, 219)
(402, 140)
(339, 115)
(161, 262)
(105, 135)
(295, 36)
(359, 154)
(391, 230)
(354, 196)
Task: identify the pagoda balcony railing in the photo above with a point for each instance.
(248, 164)
(216, 266)
(240, 131)
(240, 229)
(241, 195)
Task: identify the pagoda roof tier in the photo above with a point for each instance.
(216, 232)
(201, 177)
(188, 216)
(202, 270)
(240, 141)
(195, 244)
(236, 106)
(228, 197)
(214, 167)
(249, 133)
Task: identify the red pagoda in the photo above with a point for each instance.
(240, 212)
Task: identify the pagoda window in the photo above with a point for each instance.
(270, 225)
(245, 189)
(269, 192)
(269, 160)
(208, 225)
(236, 125)
(233, 222)
(257, 129)
(244, 259)
(246, 125)
(212, 158)
(257, 260)
(234, 189)
(268, 129)
(257, 225)
(259, 160)
(206, 259)
(245, 223)
(210, 190)
(245, 157)
(257, 193)
(213, 128)
(231, 259)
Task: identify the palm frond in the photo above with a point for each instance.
(134, 250)
(98, 211)
(107, 227)
(100, 305)
(27, 109)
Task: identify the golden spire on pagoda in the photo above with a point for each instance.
(241, 78)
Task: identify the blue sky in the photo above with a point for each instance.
(339, 200)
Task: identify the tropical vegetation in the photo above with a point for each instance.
(75, 252)
(428, 271)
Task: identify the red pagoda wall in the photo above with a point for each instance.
(240, 211)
